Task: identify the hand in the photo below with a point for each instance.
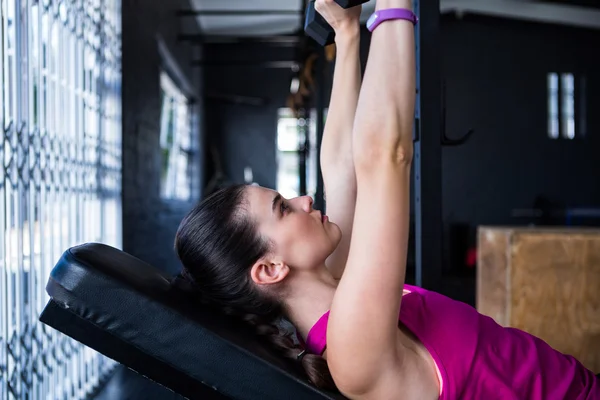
(337, 17)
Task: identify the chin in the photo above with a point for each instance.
(338, 233)
(336, 238)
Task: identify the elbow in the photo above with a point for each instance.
(375, 152)
(357, 373)
(352, 385)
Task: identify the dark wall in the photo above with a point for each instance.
(242, 103)
(241, 108)
(495, 72)
(149, 43)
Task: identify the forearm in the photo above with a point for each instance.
(385, 112)
(337, 163)
(336, 146)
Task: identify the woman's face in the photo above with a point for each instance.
(301, 236)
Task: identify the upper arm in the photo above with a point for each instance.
(364, 314)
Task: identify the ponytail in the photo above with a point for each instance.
(266, 326)
(314, 366)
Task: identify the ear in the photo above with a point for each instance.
(268, 272)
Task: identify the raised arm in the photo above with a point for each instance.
(363, 330)
(337, 162)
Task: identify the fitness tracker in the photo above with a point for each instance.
(393, 13)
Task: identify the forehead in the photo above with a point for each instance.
(260, 200)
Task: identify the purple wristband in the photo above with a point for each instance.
(392, 13)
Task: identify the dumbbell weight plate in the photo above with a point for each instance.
(316, 27)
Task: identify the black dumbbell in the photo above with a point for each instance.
(317, 28)
(350, 3)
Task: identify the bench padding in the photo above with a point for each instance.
(127, 310)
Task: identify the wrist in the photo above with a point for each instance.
(384, 4)
(347, 32)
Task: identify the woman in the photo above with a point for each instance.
(366, 333)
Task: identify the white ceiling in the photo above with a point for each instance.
(248, 25)
(527, 10)
(258, 25)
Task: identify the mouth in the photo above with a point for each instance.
(324, 218)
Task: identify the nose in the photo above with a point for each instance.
(306, 203)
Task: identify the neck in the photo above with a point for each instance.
(310, 296)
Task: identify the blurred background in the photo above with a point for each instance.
(119, 115)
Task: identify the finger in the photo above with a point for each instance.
(319, 4)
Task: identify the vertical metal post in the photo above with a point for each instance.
(319, 202)
(428, 148)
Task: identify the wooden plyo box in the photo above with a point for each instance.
(545, 282)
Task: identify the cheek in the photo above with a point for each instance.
(294, 232)
(300, 234)
(305, 233)
(302, 225)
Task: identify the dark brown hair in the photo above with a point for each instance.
(217, 244)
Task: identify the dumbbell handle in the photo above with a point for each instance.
(350, 3)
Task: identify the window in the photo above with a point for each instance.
(553, 116)
(562, 106)
(175, 141)
(567, 84)
(288, 157)
(297, 154)
(60, 183)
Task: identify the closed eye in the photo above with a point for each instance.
(283, 207)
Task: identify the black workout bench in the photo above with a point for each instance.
(127, 310)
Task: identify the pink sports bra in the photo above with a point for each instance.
(478, 359)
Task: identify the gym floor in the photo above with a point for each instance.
(126, 384)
